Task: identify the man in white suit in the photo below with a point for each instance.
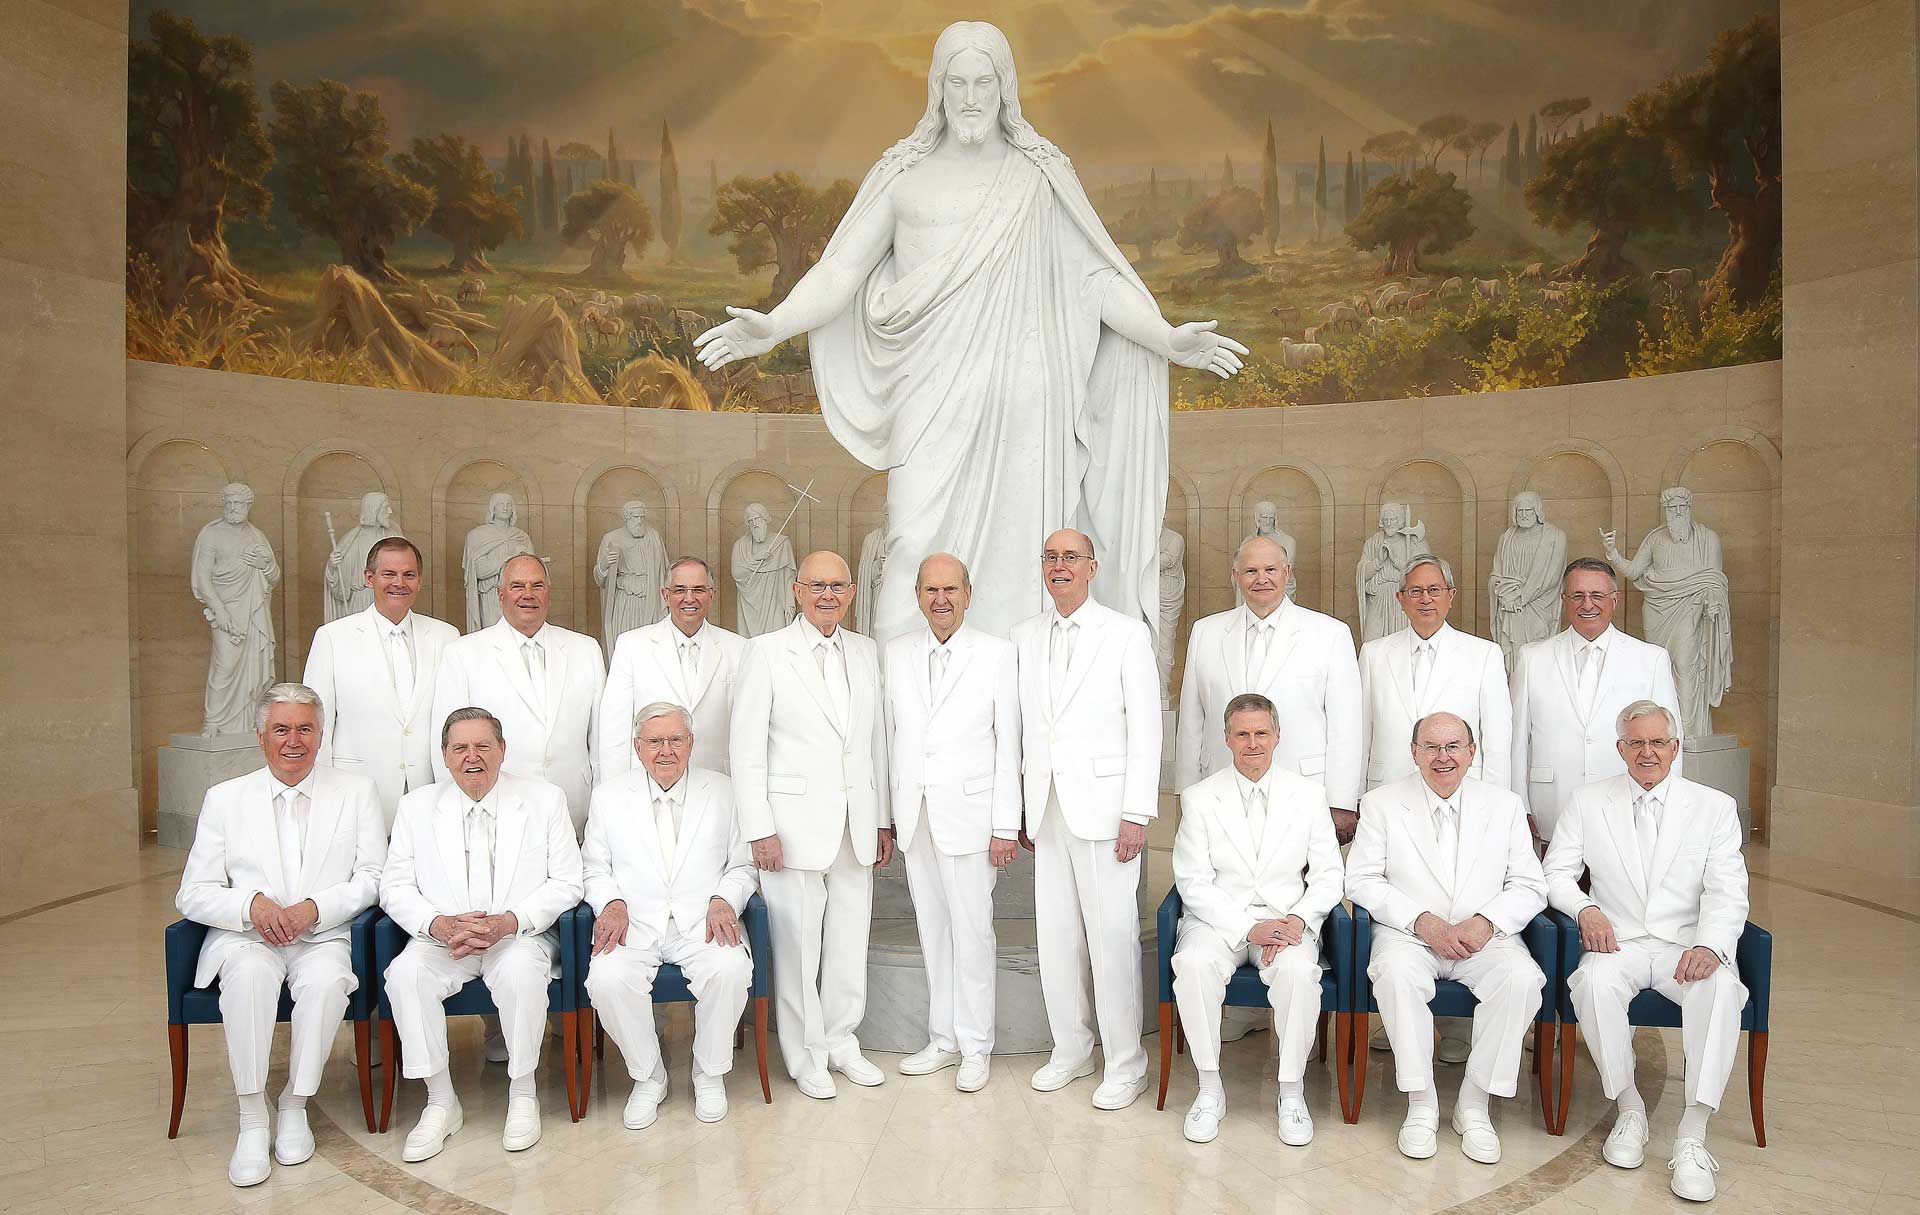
(683, 658)
(542, 681)
(1090, 739)
(668, 874)
(1446, 867)
(374, 671)
(809, 757)
(282, 859)
(953, 728)
(1666, 910)
(1258, 871)
(1567, 689)
(479, 869)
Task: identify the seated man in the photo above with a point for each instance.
(282, 859)
(1258, 869)
(668, 874)
(1668, 905)
(479, 869)
(1445, 865)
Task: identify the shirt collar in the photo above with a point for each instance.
(1416, 640)
(1599, 643)
(1435, 801)
(1246, 787)
(305, 786)
(1078, 617)
(539, 635)
(933, 639)
(1661, 793)
(813, 636)
(680, 639)
(1274, 619)
(677, 795)
(385, 626)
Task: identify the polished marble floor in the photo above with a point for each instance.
(84, 1093)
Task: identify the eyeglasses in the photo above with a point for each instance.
(1452, 750)
(1639, 745)
(1582, 598)
(821, 588)
(1070, 560)
(676, 741)
(689, 590)
(1425, 592)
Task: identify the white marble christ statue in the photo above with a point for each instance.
(975, 332)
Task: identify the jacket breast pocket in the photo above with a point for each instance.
(786, 783)
(977, 786)
(1313, 765)
(1110, 765)
(1539, 776)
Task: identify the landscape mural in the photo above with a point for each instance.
(1383, 198)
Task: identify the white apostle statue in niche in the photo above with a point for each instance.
(1266, 526)
(1524, 588)
(1173, 600)
(233, 576)
(1678, 571)
(346, 584)
(488, 549)
(763, 573)
(632, 571)
(873, 564)
(976, 333)
(1383, 565)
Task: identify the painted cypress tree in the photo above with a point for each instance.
(1533, 145)
(549, 191)
(1320, 194)
(1348, 199)
(613, 159)
(671, 211)
(1226, 180)
(1511, 171)
(1269, 192)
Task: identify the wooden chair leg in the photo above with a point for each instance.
(390, 1070)
(1319, 1037)
(1568, 1041)
(1166, 1050)
(1180, 1038)
(570, 1058)
(740, 1034)
(363, 1060)
(1343, 1064)
(177, 1047)
(1543, 1068)
(760, 1046)
(1757, 1083)
(1357, 1043)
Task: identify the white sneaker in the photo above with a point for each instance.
(496, 1045)
(438, 1123)
(928, 1060)
(1626, 1146)
(1452, 1050)
(1479, 1142)
(709, 1096)
(973, 1074)
(1203, 1118)
(1116, 1095)
(1296, 1124)
(643, 1104)
(1420, 1134)
(818, 1085)
(292, 1137)
(248, 1165)
(855, 1067)
(1056, 1076)
(523, 1124)
(1693, 1168)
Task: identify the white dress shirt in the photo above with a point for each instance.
(292, 807)
(669, 813)
(481, 823)
(396, 645)
(1589, 660)
(1445, 815)
(1256, 798)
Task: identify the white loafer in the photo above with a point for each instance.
(438, 1123)
(856, 1068)
(928, 1060)
(1056, 1076)
(1420, 1134)
(818, 1085)
(973, 1074)
(709, 1096)
(1479, 1142)
(1626, 1146)
(643, 1104)
(292, 1137)
(248, 1165)
(523, 1124)
(1693, 1168)
(1296, 1124)
(1114, 1095)
(1203, 1118)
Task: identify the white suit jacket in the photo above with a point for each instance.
(798, 772)
(646, 668)
(955, 747)
(1555, 747)
(622, 860)
(1468, 679)
(536, 863)
(548, 740)
(1312, 679)
(1698, 892)
(236, 855)
(1096, 740)
(365, 729)
(1221, 875)
(1393, 870)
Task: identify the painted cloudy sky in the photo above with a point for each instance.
(825, 86)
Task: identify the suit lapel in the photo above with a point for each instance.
(509, 653)
(1563, 659)
(1233, 652)
(372, 638)
(693, 808)
(556, 680)
(1232, 812)
(426, 656)
(1085, 646)
(260, 823)
(1270, 837)
(1400, 669)
(508, 833)
(1624, 837)
(1286, 636)
(450, 838)
(959, 651)
(323, 819)
(1419, 824)
(1474, 824)
(1675, 823)
(800, 657)
(1445, 655)
(710, 659)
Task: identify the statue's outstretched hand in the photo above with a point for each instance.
(748, 335)
(1196, 345)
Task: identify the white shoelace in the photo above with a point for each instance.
(1694, 1152)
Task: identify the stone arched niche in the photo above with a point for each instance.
(332, 485)
(1578, 498)
(463, 505)
(606, 499)
(1438, 500)
(1302, 516)
(755, 485)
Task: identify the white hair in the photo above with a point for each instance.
(1644, 708)
(285, 694)
(662, 708)
(1439, 563)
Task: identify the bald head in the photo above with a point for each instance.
(1443, 748)
(525, 594)
(1261, 570)
(943, 590)
(1066, 566)
(824, 590)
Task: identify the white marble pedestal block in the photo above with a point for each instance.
(1720, 762)
(189, 767)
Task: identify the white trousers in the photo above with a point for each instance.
(953, 907)
(620, 984)
(818, 920)
(1086, 919)
(516, 972)
(1204, 960)
(318, 974)
(1502, 976)
(1605, 983)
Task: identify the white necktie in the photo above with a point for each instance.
(480, 858)
(690, 666)
(402, 661)
(937, 666)
(1647, 826)
(1257, 816)
(1589, 663)
(290, 824)
(536, 659)
(1447, 835)
(1062, 652)
(669, 832)
(1257, 652)
(1422, 665)
(834, 671)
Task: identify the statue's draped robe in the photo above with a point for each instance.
(346, 583)
(1172, 601)
(873, 560)
(240, 666)
(489, 547)
(1685, 609)
(1001, 407)
(631, 571)
(763, 576)
(1527, 565)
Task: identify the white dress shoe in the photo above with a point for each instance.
(1420, 1134)
(1296, 1124)
(523, 1124)
(1479, 1142)
(855, 1067)
(928, 1060)
(1693, 1168)
(1203, 1118)
(292, 1137)
(818, 1085)
(709, 1096)
(1626, 1146)
(438, 1123)
(1056, 1076)
(643, 1104)
(1116, 1095)
(249, 1165)
(496, 1046)
(1452, 1050)
(973, 1074)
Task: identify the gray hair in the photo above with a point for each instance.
(285, 694)
(1440, 563)
(1644, 708)
(705, 569)
(1592, 565)
(1464, 724)
(1286, 558)
(662, 708)
(1250, 702)
(471, 713)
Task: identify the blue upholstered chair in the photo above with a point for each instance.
(474, 1000)
(190, 1005)
(1753, 956)
(670, 987)
(1245, 990)
(1452, 999)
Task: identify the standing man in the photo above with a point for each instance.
(809, 775)
(668, 875)
(1258, 871)
(1666, 910)
(1567, 689)
(685, 659)
(1090, 732)
(953, 731)
(481, 866)
(374, 672)
(282, 859)
(1446, 867)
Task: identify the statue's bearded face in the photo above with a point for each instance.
(1679, 516)
(757, 528)
(234, 508)
(1524, 514)
(636, 520)
(971, 96)
(1265, 522)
